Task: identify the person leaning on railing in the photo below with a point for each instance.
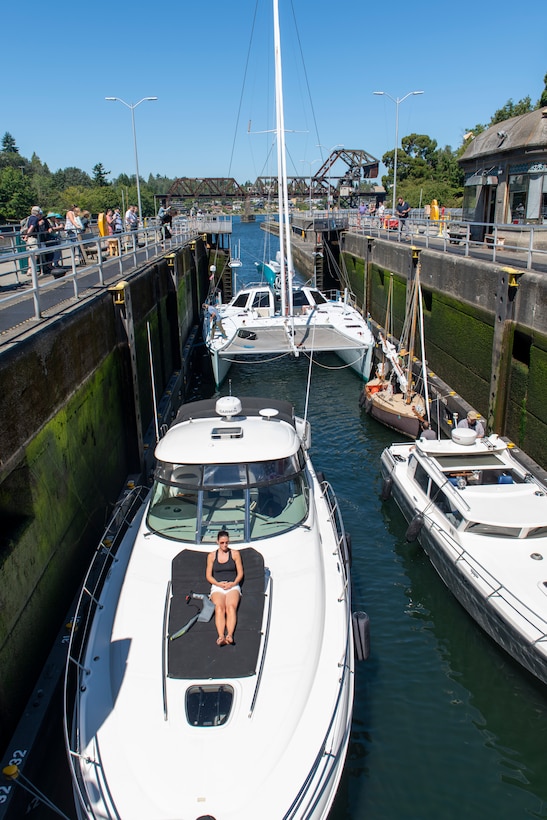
(34, 234)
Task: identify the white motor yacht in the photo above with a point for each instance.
(481, 517)
(163, 723)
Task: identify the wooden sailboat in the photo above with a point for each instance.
(394, 397)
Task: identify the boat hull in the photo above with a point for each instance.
(281, 697)
(359, 361)
(251, 327)
(394, 412)
(520, 635)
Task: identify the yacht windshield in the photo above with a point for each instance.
(192, 502)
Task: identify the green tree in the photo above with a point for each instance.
(16, 194)
(424, 171)
(124, 181)
(8, 144)
(158, 184)
(543, 99)
(99, 175)
(71, 177)
(14, 160)
(511, 109)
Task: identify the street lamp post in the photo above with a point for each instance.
(132, 106)
(397, 102)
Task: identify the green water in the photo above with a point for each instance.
(445, 724)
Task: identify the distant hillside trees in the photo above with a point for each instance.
(424, 172)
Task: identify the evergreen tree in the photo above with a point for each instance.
(99, 175)
(511, 109)
(8, 144)
(543, 99)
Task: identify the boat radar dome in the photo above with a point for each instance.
(464, 435)
(228, 406)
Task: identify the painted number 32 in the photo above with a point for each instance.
(16, 759)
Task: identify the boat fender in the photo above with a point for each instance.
(387, 486)
(413, 529)
(346, 549)
(361, 635)
(362, 398)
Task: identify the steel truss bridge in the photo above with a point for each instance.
(358, 165)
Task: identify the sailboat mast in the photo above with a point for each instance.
(283, 194)
(412, 340)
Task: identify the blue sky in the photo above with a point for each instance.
(212, 77)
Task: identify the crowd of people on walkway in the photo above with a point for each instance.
(47, 232)
(375, 214)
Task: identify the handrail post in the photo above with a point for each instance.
(35, 289)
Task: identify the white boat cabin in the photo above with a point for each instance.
(479, 487)
(262, 301)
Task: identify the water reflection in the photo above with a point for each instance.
(501, 710)
(444, 722)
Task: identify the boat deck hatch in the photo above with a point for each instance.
(227, 432)
(209, 705)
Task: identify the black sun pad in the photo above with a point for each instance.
(196, 654)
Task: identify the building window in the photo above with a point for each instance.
(518, 195)
(528, 197)
(470, 200)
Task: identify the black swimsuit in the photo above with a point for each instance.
(226, 571)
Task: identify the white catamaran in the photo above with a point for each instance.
(267, 319)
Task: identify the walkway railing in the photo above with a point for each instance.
(95, 258)
(522, 245)
(529, 242)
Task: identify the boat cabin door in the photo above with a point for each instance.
(263, 303)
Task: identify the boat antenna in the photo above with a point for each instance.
(154, 401)
(308, 386)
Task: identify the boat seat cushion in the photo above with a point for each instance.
(195, 654)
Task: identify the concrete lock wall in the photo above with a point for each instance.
(485, 329)
(75, 399)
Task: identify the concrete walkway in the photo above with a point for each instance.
(28, 298)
